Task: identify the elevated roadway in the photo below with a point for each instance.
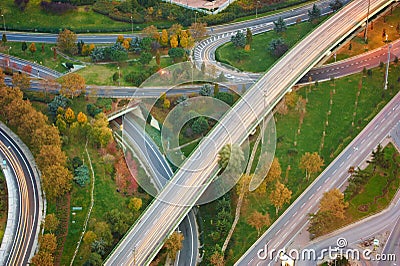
(160, 171)
(177, 198)
(28, 207)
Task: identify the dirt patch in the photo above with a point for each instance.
(363, 208)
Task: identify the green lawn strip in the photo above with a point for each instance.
(45, 58)
(83, 19)
(338, 134)
(375, 39)
(259, 59)
(101, 74)
(373, 193)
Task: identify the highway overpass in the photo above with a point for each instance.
(29, 207)
(146, 237)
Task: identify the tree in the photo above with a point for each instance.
(120, 38)
(72, 85)
(217, 259)
(205, 90)
(176, 53)
(2, 76)
(164, 37)
(158, 58)
(135, 204)
(175, 29)
(274, 172)
(258, 221)
(81, 118)
(66, 42)
(279, 196)
(174, 41)
(200, 125)
(58, 101)
(238, 40)
(32, 48)
(51, 222)
(94, 260)
(145, 58)
(249, 36)
(282, 108)
(378, 157)
(225, 97)
(119, 221)
(151, 32)
(174, 244)
(21, 81)
(42, 258)
(103, 231)
(314, 13)
(335, 5)
(81, 175)
(56, 181)
(69, 115)
(4, 39)
(301, 105)
(280, 25)
(166, 104)
(231, 155)
(278, 47)
(89, 237)
(100, 132)
(21, 4)
(48, 243)
(333, 202)
(291, 99)
(24, 47)
(198, 30)
(50, 155)
(99, 246)
(311, 163)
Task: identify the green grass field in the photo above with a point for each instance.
(102, 74)
(35, 19)
(383, 185)
(259, 59)
(45, 58)
(339, 133)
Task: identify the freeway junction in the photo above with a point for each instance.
(174, 202)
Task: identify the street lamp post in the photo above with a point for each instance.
(258, 2)
(132, 24)
(387, 67)
(4, 23)
(119, 76)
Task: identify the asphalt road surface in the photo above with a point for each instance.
(161, 172)
(28, 206)
(290, 223)
(362, 230)
(188, 183)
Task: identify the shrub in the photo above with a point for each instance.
(92, 110)
(56, 7)
(81, 175)
(225, 97)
